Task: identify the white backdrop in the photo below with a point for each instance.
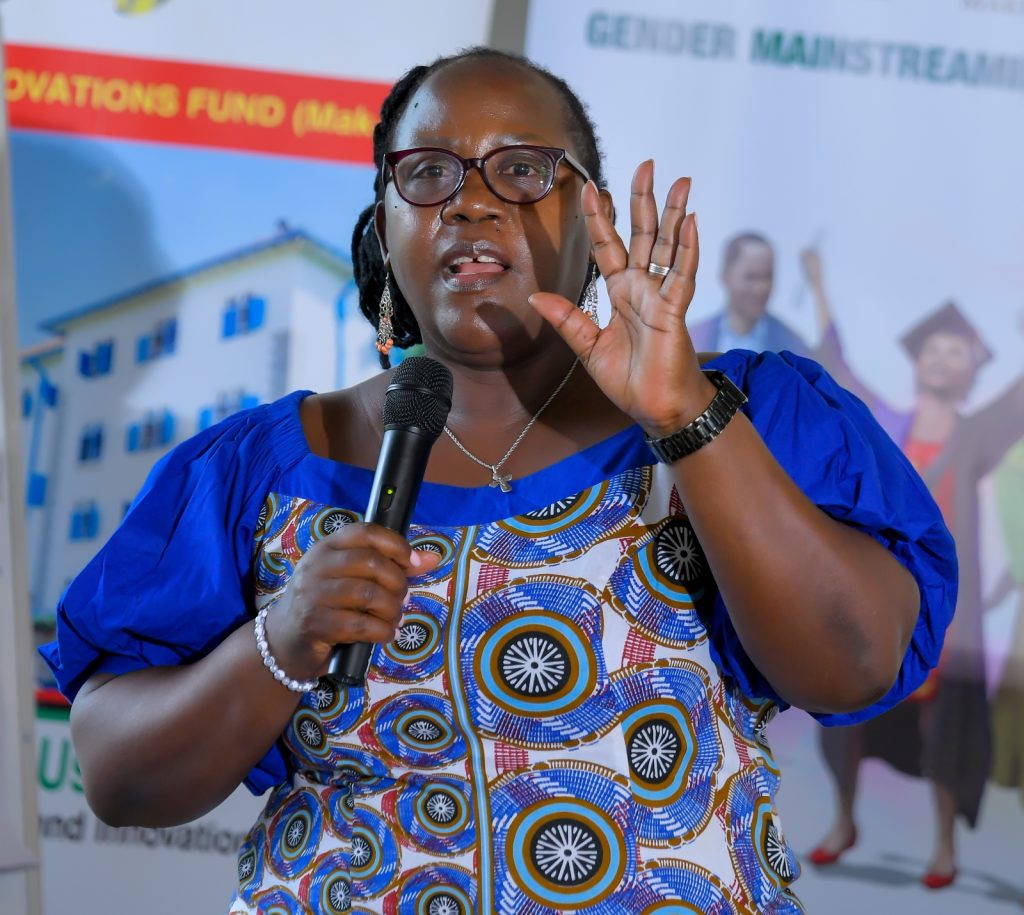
(912, 183)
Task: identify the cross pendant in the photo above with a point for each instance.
(498, 480)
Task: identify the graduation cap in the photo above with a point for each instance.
(945, 320)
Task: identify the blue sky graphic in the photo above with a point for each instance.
(96, 217)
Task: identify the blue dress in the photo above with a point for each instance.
(566, 721)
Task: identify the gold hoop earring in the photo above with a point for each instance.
(385, 312)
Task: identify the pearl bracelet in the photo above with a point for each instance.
(296, 686)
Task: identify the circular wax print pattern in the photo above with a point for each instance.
(271, 517)
(763, 861)
(309, 734)
(353, 766)
(561, 851)
(339, 707)
(312, 736)
(436, 816)
(317, 522)
(663, 587)
(374, 858)
(278, 901)
(278, 797)
(567, 527)
(437, 889)
(670, 887)
(273, 570)
(747, 717)
(673, 748)
(295, 834)
(250, 864)
(418, 729)
(341, 807)
(537, 676)
(326, 886)
(417, 651)
(767, 710)
(445, 543)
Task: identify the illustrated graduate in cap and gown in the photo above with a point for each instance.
(942, 732)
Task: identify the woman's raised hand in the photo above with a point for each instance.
(348, 587)
(643, 359)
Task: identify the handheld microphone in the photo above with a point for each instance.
(416, 407)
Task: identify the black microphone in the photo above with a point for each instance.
(416, 407)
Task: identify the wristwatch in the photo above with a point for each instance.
(696, 434)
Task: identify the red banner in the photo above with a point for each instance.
(136, 98)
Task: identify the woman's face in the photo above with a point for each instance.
(946, 365)
(478, 310)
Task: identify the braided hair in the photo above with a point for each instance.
(367, 264)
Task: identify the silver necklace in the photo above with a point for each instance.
(496, 478)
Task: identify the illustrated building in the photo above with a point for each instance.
(125, 379)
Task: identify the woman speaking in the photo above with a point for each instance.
(625, 558)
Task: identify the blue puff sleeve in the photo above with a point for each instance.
(175, 578)
(841, 458)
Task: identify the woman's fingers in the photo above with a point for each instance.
(351, 586)
(352, 626)
(365, 583)
(389, 544)
(643, 216)
(663, 251)
(681, 281)
(365, 563)
(609, 251)
(650, 241)
(363, 568)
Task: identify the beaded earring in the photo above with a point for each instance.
(589, 300)
(386, 310)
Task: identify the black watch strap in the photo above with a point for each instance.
(696, 434)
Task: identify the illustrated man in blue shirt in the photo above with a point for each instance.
(748, 271)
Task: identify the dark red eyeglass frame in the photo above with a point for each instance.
(554, 153)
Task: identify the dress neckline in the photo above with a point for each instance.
(446, 504)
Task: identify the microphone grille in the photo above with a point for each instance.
(419, 396)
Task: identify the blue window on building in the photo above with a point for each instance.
(91, 446)
(47, 392)
(226, 405)
(36, 489)
(154, 431)
(160, 342)
(26, 404)
(242, 315)
(85, 521)
(205, 419)
(97, 361)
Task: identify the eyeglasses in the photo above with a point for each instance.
(428, 175)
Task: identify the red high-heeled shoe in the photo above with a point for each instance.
(938, 881)
(821, 856)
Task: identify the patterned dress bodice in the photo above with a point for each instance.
(549, 731)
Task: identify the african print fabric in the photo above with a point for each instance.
(548, 733)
